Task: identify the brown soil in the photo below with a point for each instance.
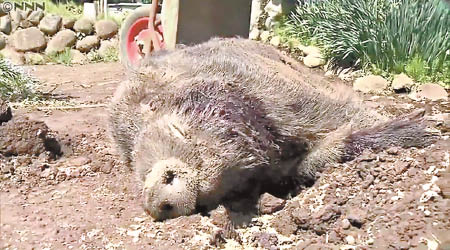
(86, 199)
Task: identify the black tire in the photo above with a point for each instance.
(140, 12)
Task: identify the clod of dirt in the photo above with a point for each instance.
(5, 112)
(25, 137)
(269, 204)
(266, 240)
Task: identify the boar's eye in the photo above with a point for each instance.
(168, 177)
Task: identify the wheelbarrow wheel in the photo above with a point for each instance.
(130, 50)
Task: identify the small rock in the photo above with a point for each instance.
(432, 91)
(2, 42)
(34, 58)
(25, 24)
(275, 41)
(50, 24)
(105, 47)
(78, 57)
(402, 81)
(68, 22)
(310, 50)
(312, 61)
(266, 240)
(284, 223)
(392, 150)
(356, 217)
(106, 29)
(5, 24)
(63, 39)
(254, 34)
(84, 26)
(14, 56)
(79, 161)
(275, 8)
(345, 224)
(35, 17)
(88, 43)
(265, 35)
(31, 39)
(24, 13)
(370, 84)
(269, 204)
(16, 17)
(350, 240)
(5, 112)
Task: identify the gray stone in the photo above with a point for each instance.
(265, 35)
(25, 24)
(313, 61)
(402, 81)
(34, 58)
(78, 57)
(269, 23)
(370, 84)
(269, 204)
(16, 17)
(24, 13)
(432, 92)
(105, 46)
(12, 55)
(88, 43)
(106, 29)
(5, 24)
(31, 39)
(84, 26)
(279, 7)
(35, 17)
(68, 22)
(275, 41)
(254, 34)
(309, 50)
(2, 42)
(60, 41)
(50, 24)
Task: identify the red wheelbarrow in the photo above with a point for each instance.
(163, 25)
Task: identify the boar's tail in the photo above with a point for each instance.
(405, 131)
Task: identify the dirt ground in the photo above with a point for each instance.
(86, 199)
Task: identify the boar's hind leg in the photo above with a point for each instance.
(329, 149)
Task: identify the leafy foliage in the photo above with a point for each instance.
(389, 35)
(16, 85)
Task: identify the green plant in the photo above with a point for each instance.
(111, 55)
(389, 35)
(15, 84)
(64, 57)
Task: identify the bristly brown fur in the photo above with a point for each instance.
(230, 109)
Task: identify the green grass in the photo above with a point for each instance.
(16, 85)
(111, 55)
(64, 57)
(411, 36)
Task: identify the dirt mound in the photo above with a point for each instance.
(386, 200)
(5, 112)
(22, 136)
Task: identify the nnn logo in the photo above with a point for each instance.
(8, 6)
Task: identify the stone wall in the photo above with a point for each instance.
(28, 36)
